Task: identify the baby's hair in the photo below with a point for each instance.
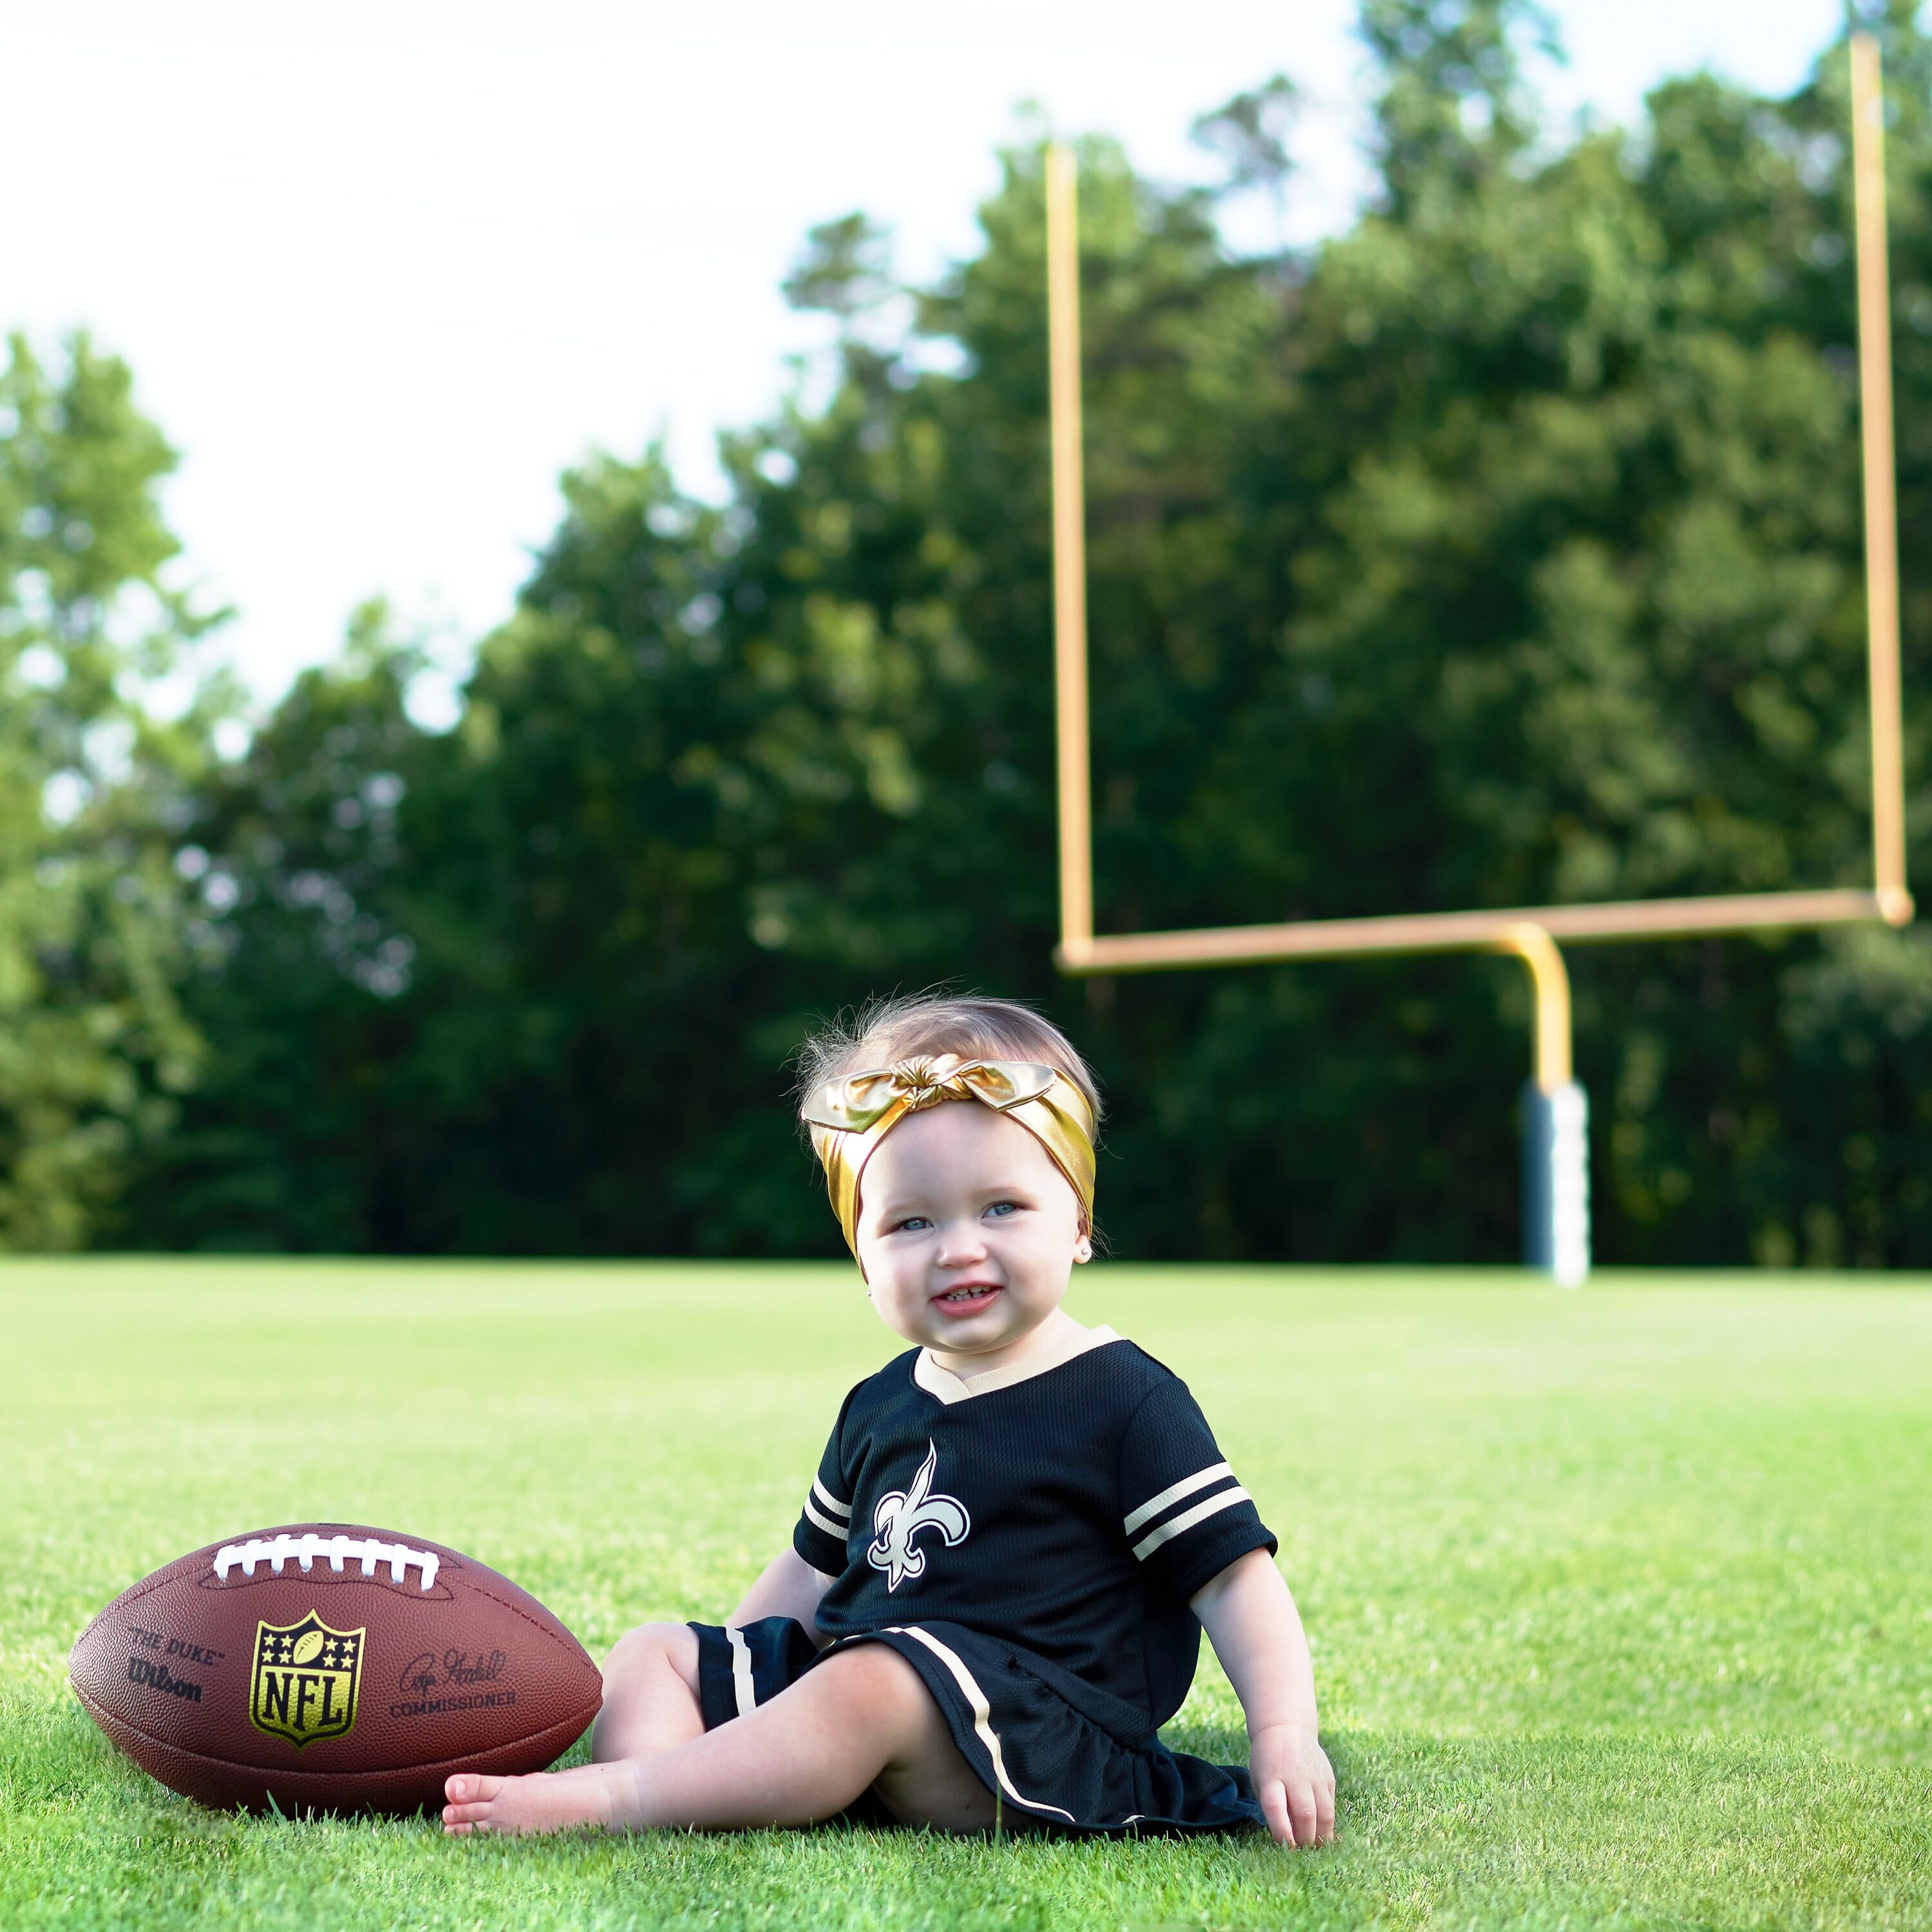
(914, 1024)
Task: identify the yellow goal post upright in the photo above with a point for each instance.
(1556, 1217)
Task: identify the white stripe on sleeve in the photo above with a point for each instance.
(1174, 1492)
(1187, 1519)
(831, 1501)
(836, 1530)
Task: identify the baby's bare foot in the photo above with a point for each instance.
(545, 1801)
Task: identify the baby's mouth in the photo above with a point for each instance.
(969, 1298)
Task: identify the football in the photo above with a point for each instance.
(329, 1667)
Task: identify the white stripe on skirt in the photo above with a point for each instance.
(741, 1672)
(982, 1714)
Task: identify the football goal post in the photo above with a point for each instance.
(1555, 1153)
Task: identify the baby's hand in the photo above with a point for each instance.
(1295, 1784)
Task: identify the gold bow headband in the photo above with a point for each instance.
(849, 1117)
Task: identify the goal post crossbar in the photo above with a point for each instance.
(1471, 931)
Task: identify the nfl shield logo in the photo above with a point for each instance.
(306, 1675)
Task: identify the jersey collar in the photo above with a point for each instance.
(950, 1388)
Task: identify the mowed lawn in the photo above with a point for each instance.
(1621, 1600)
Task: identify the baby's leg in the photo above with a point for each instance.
(861, 1718)
(650, 1693)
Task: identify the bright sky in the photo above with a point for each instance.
(383, 268)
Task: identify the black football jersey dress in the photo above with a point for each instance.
(1029, 1546)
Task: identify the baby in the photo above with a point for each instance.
(995, 1591)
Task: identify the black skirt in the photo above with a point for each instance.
(1042, 1742)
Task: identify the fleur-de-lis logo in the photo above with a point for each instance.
(903, 1513)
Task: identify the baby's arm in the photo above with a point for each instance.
(788, 1587)
(1252, 1621)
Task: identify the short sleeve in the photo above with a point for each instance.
(1185, 1517)
(825, 1521)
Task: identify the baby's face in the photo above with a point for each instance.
(968, 1231)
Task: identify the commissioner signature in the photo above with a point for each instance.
(425, 1673)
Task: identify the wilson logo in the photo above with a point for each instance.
(159, 1677)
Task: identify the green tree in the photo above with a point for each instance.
(302, 875)
(93, 786)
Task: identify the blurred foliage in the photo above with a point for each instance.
(1505, 548)
(96, 772)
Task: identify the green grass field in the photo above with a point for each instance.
(1621, 1600)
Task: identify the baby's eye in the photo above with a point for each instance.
(912, 1225)
(1004, 1208)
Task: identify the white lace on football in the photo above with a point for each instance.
(277, 1552)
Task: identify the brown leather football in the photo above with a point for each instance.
(330, 1667)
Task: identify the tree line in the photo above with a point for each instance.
(1502, 549)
